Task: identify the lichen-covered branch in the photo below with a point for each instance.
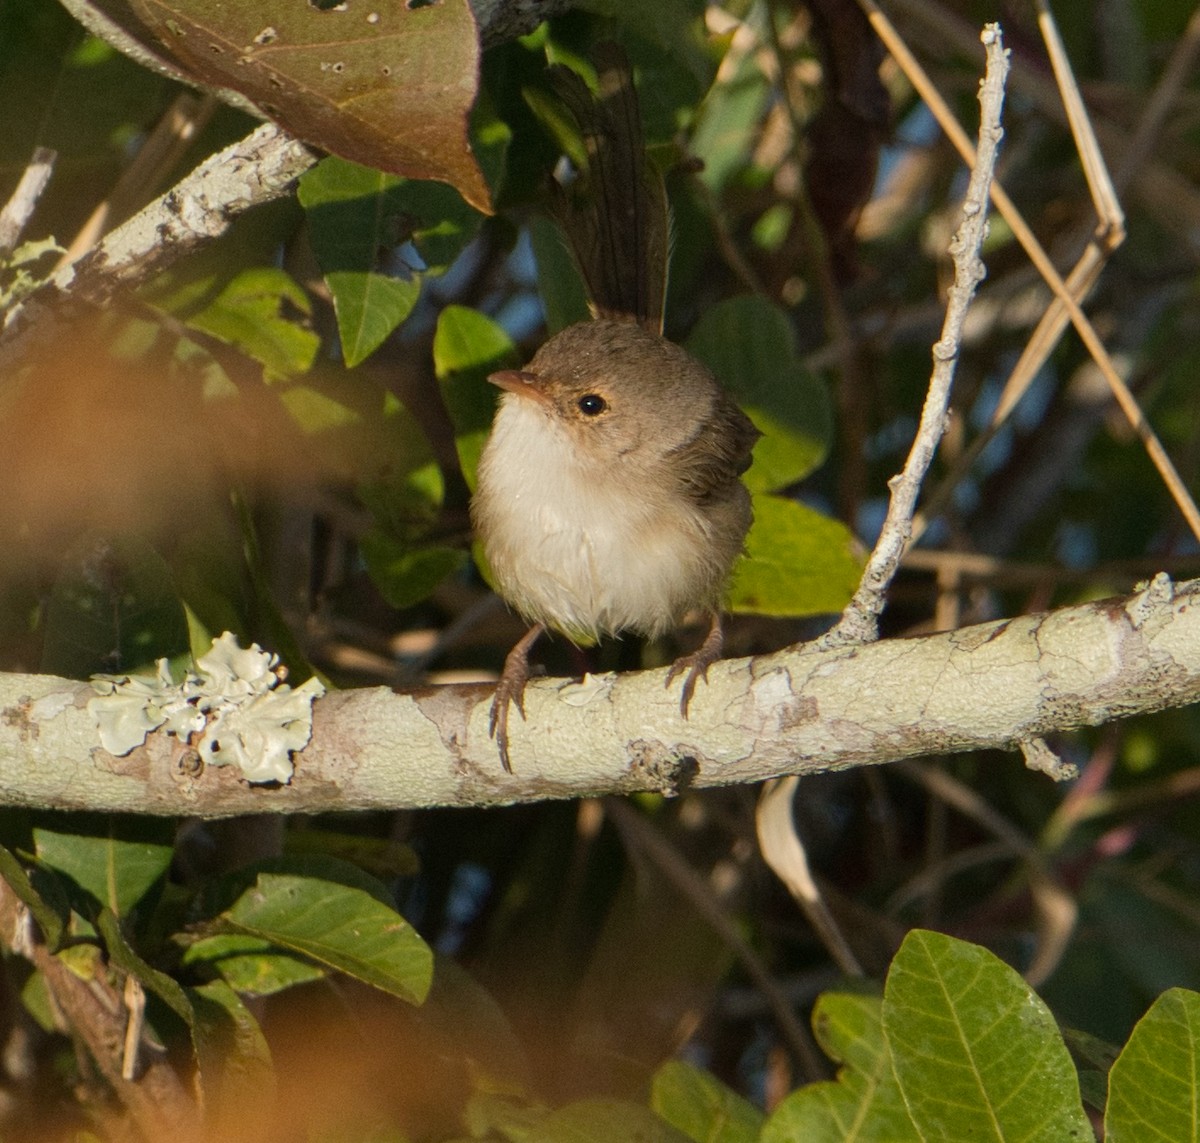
(257, 169)
(793, 712)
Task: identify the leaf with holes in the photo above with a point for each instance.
(387, 85)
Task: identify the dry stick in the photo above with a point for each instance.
(1159, 185)
(1041, 260)
(20, 207)
(860, 621)
(1097, 249)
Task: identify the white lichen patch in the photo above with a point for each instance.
(233, 708)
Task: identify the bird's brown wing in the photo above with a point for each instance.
(718, 454)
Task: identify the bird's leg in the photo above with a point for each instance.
(511, 690)
(697, 663)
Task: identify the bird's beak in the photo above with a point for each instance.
(520, 382)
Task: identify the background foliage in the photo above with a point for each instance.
(278, 438)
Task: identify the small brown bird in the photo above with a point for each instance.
(609, 497)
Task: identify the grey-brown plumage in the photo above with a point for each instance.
(609, 497)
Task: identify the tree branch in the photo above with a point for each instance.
(797, 711)
(257, 169)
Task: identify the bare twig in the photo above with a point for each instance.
(860, 621)
(1042, 262)
(20, 207)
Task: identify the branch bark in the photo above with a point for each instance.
(798, 711)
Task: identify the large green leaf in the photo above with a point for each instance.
(466, 348)
(797, 562)
(1154, 1085)
(975, 1051)
(115, 873)
(864, 1103)
(749, 345)
(343, 928)
(702, 1107)
(235, 1060)
(253, 312)
(251, 965)
(403, 573)
(560, 287)
(359, 222)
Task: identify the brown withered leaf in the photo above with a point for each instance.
(385, 83)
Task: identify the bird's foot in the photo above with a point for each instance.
(510, 691)
(697, 663)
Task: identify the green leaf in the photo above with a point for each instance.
(564, 298)
(381, 857)
(864, 1103)
(405, 574)
(345, 929)
(251, 312)
(466, 348)
(702, 1107)
(976, 1053)
(251, 965)
(114, 607)
(490, 1115)
(235, 1060)
(49, 919)
(603, 1121)
(114, 873)
(1154, 1086)
(122, 954)
(219, 895)
(357, 216)
(797, 562)
(749, 345)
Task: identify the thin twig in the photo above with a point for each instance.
(860, 621)
(1042, 262)
(1097, 244)
(20, 207)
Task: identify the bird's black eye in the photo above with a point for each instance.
(591, 404)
